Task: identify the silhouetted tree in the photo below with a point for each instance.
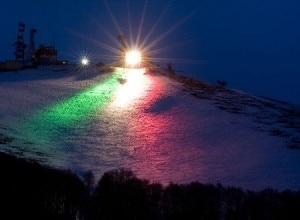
(222, 83)
(89, 181)
(119, 194)
(232, 205)
(31, 191)
(170, 69)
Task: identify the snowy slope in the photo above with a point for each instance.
(165, 128)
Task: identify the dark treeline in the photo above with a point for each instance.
(31, 191)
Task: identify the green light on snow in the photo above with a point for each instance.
(56, 120)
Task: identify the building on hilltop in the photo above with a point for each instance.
(45, 55)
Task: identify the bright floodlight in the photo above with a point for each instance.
(84, 61)
(133, 58)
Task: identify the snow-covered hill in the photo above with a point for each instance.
(164, 127)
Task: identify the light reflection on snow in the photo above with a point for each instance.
(149, 125)
(152, 135)
(134, 86)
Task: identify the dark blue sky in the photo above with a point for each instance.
(253, 44)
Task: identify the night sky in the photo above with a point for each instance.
(252, 44)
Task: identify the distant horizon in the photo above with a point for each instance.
(253, 45)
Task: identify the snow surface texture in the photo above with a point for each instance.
(166, 129)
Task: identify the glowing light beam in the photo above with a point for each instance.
(51, 123)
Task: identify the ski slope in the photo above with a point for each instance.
(165, 128)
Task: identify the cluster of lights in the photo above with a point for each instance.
(133, 59)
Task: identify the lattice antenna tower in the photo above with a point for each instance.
(20, 45)
(31, 49)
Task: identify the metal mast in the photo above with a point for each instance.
(20, 45)
(124, 47)
(31, 49)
